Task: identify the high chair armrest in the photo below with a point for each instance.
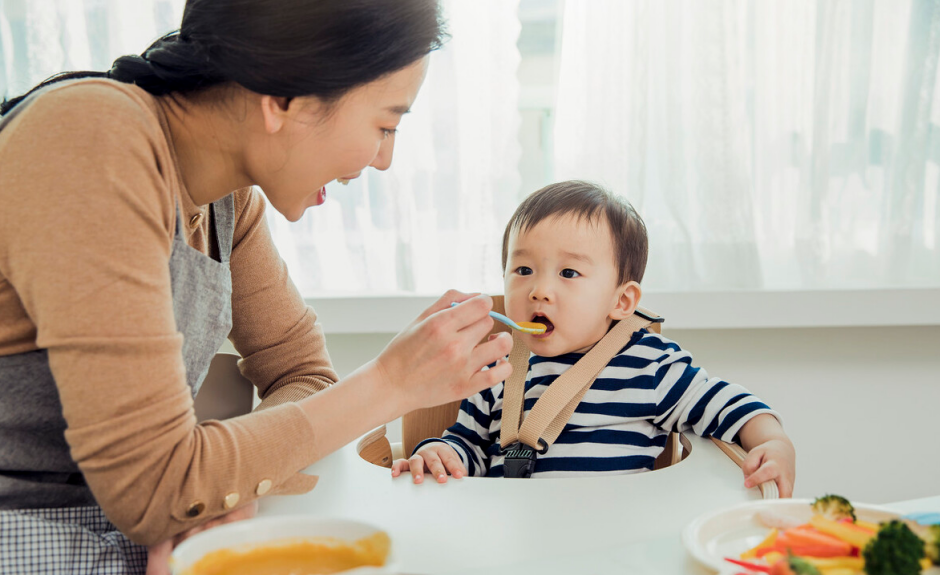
(375, 448)
(768, 489)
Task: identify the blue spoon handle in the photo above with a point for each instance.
(503, 319)
(925, 518)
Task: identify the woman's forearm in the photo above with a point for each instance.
(350, 408)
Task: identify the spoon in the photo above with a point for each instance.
(924, 518)
(523, 326)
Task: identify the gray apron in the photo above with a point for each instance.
(49, 520)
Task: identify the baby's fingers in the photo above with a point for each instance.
(753, 461)
(766, 472)
(434, 465)
(453, 464)
(416, 463)
(398, 466)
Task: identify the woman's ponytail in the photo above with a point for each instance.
(171, 64)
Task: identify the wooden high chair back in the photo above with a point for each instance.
(418, 425)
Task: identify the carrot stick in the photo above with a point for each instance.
(812, 537)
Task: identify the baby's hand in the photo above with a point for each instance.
(775, 460)
(436, 458)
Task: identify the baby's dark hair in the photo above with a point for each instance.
(587, 201)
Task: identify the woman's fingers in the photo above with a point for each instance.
(158, 558)
(445, 301)
(438, 359)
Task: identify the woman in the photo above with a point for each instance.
(131, 246)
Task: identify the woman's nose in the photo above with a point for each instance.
(383, 159)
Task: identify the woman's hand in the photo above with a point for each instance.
(158, 556)
(437, 458)
(439, 358)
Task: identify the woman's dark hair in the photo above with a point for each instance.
(287, 48)
(588, 201)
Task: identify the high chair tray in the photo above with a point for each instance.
(614, 523)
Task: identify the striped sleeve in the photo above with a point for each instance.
(470, 436)
(687, 398)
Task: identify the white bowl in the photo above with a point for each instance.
(262, 530)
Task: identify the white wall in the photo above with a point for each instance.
(861, 404)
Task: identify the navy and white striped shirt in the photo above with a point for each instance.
(648, 389)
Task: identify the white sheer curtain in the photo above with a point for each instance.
(39, 38)
(786, 144)
(435, 219)
(432, 222)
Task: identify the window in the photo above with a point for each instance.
(788, 145)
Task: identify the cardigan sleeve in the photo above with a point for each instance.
(86, 229)
(276, 333)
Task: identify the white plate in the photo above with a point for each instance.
(261, 530)
(730, 531)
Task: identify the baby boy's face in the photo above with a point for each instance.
(561, 273)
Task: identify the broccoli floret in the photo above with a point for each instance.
(793, 565)
(895, 550)
(801, 566)
(932, 544)
(834, 507)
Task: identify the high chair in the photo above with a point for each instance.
(421, 424)
(225, 393)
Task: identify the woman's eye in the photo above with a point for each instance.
(569, 273)
(386, 132)
(524, 270)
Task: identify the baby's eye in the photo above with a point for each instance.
(524, 270)
(386, 132)
(569, 273)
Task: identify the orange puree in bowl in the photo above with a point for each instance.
(296, 557)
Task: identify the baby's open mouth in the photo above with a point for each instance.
(539, 318)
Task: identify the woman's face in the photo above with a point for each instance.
(310, 145)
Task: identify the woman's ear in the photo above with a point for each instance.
(626, 304)
(274, 112)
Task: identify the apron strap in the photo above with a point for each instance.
(554, 408)
(223, 214)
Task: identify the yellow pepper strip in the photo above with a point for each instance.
(772, 557)
(925, 564)
(867, 525)
(767, 542)
(853, 563)
(843, 532)
(839, 571)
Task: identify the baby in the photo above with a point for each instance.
(573, 257)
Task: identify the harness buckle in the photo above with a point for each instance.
(519, 461)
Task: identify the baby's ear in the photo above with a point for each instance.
(629, 298)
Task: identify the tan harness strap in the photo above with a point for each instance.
(513, 402)
(554, 408)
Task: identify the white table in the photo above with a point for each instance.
(626, 524)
